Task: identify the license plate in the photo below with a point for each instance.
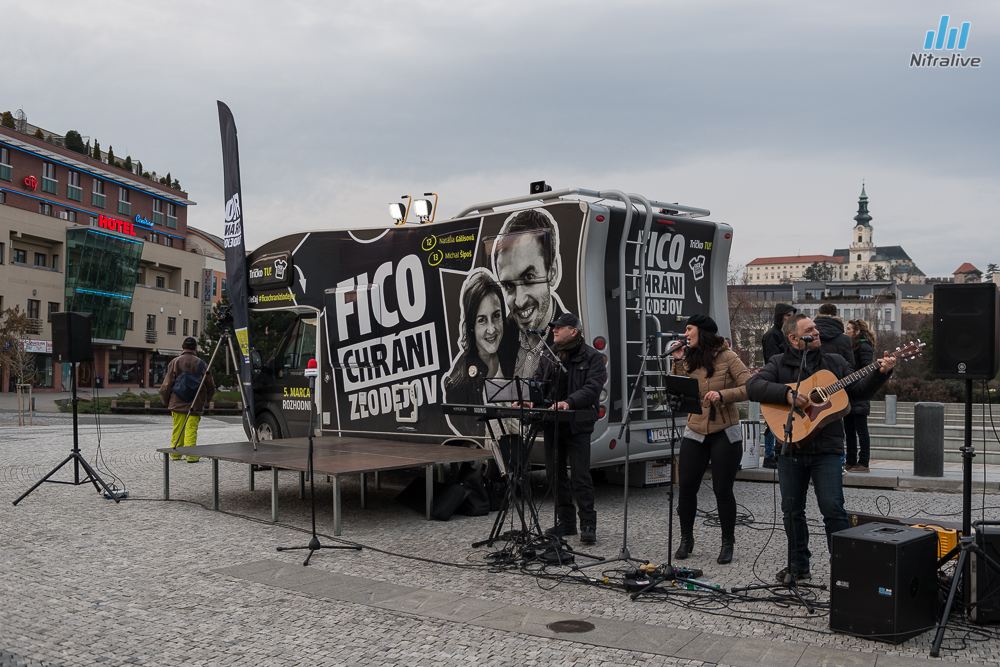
(658, 435)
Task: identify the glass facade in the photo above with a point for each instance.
(101, 271)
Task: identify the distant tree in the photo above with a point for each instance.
(111, 155)
(819, 271)
(138, 168)
(879, 272)
(866, 273)
(176, 185)
(127, 165)
(74, 142)
(7, 120)
(991, 268)
(39, 134)
(14, 328)
(97, 150)
(146, 175)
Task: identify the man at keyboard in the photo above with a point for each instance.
(578, 388)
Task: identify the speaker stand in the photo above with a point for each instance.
(76, 457)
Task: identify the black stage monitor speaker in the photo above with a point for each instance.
(883, 582)
(71, 337)
(985, 588)
(966, 322)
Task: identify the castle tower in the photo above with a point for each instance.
(862, 247)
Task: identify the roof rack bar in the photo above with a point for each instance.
(696, 212)
(487, 207)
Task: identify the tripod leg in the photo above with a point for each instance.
(939, 637)
(44, 479)
(95, 478)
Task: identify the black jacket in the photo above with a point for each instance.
(865, 355)
(769, 385)
(773, 341)
(831, 332)
(583, 388)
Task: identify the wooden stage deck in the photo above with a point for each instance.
(332, 456)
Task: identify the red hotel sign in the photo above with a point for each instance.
(116, 225)
(31, 183)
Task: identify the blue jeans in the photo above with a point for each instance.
(794, 473)
(768, 443)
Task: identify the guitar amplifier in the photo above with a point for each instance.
(985, 589)
(883, 582)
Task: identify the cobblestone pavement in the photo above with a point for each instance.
(86, 581)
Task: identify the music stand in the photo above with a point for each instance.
(684, 397)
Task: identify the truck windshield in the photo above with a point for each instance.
(300, 346)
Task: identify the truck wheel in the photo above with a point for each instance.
(267, 427)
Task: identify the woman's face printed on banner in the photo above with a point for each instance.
(489, 326)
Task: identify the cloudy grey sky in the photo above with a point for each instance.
(768, 113)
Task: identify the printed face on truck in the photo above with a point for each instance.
(489, 326)
(525, 280)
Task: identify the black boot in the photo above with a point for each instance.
(726, 553)
(686, 547)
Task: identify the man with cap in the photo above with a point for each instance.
(773, 343)
(576, 385)
(185, 434)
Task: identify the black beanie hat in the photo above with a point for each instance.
(704, 322)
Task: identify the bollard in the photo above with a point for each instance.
(65, 405)
(890, 410)
(928, 440)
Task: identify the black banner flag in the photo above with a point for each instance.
(236, 263)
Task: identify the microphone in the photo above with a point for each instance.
(538, 332)
(807, 339)
(674, 346)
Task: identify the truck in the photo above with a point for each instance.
(403, 318)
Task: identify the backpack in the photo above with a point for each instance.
(186, 385)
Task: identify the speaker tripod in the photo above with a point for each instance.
(966, 545)
(76, 457)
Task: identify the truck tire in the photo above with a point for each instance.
(267, 427)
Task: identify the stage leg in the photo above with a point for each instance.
(166, 476)
(336, 504)
(250, 469)
(302, 484)
(364, 490)
(215, 484)
(378, 481)
(274, 494)
(429, 493)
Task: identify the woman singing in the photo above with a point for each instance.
(856, 423)
(713, 436)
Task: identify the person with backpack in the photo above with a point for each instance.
(179, 392)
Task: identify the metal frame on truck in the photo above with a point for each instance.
(392, 339)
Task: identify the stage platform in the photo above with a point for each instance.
(332, 456)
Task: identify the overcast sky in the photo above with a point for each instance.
(768, 113)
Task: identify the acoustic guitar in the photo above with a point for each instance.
(827, 400)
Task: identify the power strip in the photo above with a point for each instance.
(118, 493)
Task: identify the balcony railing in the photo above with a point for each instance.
(50, 186)
(34, 326)
(150, 335)
(74, 193)
(97, 200)
(125, 208)
(6, 172)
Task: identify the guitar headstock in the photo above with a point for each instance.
(909, 351)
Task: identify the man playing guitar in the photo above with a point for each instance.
(819, 459)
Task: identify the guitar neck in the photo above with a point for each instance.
(848, 380)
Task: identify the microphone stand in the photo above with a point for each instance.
(626, 430)
(314, 544)
(790, 583)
